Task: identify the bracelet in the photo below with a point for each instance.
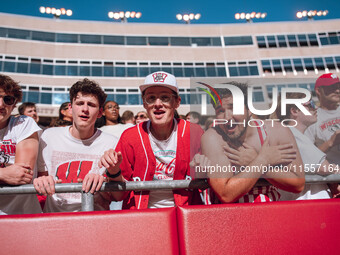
(113, 175)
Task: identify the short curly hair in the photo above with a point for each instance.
(11, 87)
(88, 87)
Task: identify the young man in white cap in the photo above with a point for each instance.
(157, 149)
(325, 133)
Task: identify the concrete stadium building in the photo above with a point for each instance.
(48, 55)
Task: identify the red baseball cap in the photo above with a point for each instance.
(327, 79)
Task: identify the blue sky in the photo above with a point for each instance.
(212, 11)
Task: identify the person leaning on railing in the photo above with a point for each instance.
(158, 149)
(248, 153)
(71, 153)
(325, 133)
(311, 155)
(19, 150)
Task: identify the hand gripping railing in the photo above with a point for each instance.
(88, 201)
(87, 198)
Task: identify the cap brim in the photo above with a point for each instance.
(326, 85)
(145, 86)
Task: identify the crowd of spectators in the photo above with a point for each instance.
(90, 142)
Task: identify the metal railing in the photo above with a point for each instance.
(88, 200)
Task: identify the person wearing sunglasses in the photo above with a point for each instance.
(19, 150)
(325, 133)
(158, 149)
(314, 160)
(141, 116)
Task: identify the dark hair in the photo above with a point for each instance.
(176, 115)
(100, 122)
(127, 115)
(224, 92)
(11, 87)
(103, 119)
(87, 87)
(194, 114)
(63, 106)
(60, 123)
(23, 106)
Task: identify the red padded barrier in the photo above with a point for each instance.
(122, 232)
(297, 227)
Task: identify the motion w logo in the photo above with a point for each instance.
(71, 171)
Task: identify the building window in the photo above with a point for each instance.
(238, 40)
(313, 41)
(67, 38)
(330, 63)
(180, 41)
(287, 65)
(47, 69)
(159, 41)
(261, 42)
(271, 41)
(282, 41)
(9, 66)
(118, 40)
(292, 41)
(84, 70)
(95, 39)
(243, 68)
(43, 36)
(96, 71)
(22, 67)
(302, 40)
(19, 33)
(257, 95)
(201, 41)
(136, 40)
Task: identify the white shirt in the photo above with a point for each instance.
(327, 123)
(165, 153)
(68, 158)
(310, 154)
(18, 129)
(116, 130)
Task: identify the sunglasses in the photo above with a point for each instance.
(8, 100)
(151, 98)
(310, 105)
(142, 116)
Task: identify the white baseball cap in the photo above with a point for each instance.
(160, 78)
